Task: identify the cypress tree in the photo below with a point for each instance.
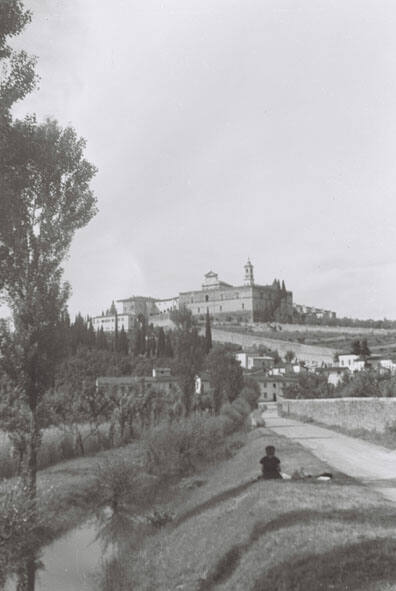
(168, 346)
(161, 346)
(208, 333)
(123, 346)
(101, 340)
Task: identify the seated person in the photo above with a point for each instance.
(270, 464)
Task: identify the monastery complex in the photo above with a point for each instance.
(247, 302)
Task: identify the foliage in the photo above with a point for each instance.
(189, 350)
(47, 198)
(18, 76)
(363, 384)
(175, 449)
(225, 376)
(309, 385)
(251, 392)
(117, 480)
(18, 528)
(208, 333)
(289, 356)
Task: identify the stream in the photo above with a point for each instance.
(69, 563)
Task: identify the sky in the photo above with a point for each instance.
(228, 129)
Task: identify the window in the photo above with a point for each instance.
(274, 385)
(243, 306)
(199, 309)
(206, 298)
(221, 308)
(192, 300)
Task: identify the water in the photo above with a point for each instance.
(69, 563)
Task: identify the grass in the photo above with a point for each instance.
(72, 491)
(235, 532)
(57, 446)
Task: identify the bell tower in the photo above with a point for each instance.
(249, 277)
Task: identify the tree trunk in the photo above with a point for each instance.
(33, 447)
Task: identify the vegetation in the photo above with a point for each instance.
(265, 532)
(366, 383)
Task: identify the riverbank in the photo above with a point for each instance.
(74, 491)
(234, 532)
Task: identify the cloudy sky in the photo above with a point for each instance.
(224, 129)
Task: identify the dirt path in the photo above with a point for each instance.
(303, 352)
(369, 463)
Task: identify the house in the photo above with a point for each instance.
(252, 361)
(271, 387)
(161, 381)
(202, 383)
(280, 370)
(335, 374)
(352, 362)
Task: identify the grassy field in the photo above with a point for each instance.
(381, 343)
(233, 532)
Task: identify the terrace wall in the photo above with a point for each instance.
(373, 414)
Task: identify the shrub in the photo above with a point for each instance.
(120, 483)
(251, 392)
(18, 528)
(173, 449)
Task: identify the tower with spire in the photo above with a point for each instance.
(249, 277)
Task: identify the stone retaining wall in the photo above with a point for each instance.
(373, 414)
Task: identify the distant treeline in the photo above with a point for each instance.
(347, 322)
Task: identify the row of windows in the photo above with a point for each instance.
(219, 310)
(233, 296)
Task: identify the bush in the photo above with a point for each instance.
(18, 528)
(173, 449)
(251, 392)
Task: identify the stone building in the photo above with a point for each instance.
(247, 302)
(250, 301)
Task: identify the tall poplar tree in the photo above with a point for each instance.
(208, 333)
(44, 198)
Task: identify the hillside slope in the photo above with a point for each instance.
(302, 352)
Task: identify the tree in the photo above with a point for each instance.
(289, 356)
(208, 333)
(101, 340)
(18, 75)
(168, 346)
(225, 376)
(364, 348)
(189, 353)
(123, 345)
(161, 345)
(356, 348)
(46, 181)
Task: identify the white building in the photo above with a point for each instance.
(352, 362)
(251, 361)
(108, 322)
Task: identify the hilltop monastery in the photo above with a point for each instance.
(249, 301)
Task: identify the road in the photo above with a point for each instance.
(301, 351)
(371, 464)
